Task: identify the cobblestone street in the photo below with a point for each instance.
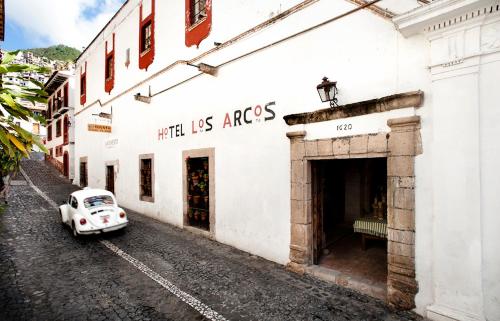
(46, 274)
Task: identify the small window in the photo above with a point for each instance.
(98, 200)
(83, 174)
(146, 37)
(197, 11)
(83, 85)
(49, 133)
(58, 128)
(74, 202)
(109, 67)
(146, 178)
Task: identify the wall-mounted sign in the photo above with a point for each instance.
(111, 143)
(99, 128)
(239, 117)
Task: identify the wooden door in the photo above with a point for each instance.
(317, 209)
(66, 164)
(110, 178)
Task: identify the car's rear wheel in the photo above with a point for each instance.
(75, 232)
(60, 214)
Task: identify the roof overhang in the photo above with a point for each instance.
(55, 81)
(416, 21)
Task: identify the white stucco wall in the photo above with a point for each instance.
(464, 66)
(252, 161)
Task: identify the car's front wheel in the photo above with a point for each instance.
(75, 232)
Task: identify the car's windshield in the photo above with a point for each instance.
(98, 200)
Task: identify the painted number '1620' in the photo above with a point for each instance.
(344, 127)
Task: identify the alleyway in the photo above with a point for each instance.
(46, 274)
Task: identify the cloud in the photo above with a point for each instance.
(71, 22)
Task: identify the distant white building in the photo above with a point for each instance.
(60, 121)
(206, 115)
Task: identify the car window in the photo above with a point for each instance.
(69, 199)
(98, 200)
(74, 203)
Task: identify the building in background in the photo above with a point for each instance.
(60, 122)
(206, 115)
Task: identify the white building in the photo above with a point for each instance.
(60, 122)
(181, 113)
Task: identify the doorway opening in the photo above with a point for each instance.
(66, 164)
(349, 217)
(198, 212)
(110, 178)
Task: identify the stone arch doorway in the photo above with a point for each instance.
(399, 146)
(66, 164)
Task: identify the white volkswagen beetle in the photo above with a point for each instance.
(92, 211)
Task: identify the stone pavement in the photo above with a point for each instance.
(46, 274)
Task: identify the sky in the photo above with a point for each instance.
(43, 23)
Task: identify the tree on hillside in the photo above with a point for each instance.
(59, 52)
(15, 142)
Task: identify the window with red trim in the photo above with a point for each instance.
(58, 101)
(198, 21)
(66, 95)
(83, 85)
(197, 11)
(146, 37)
(58, 128)
(109, 67)
(49, 109)
(66, 130)
(49, 132)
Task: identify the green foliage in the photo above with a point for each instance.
(59, 52)
(15, 142)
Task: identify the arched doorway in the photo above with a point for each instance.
(66, 164)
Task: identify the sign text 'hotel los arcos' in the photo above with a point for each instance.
(239, 117)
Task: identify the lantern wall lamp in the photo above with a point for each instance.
(327, 91)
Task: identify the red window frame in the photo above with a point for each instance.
(83, 85)
(58, 128)
(146, 57)
(66, 95)
(59, 100)
(66, 130)
(197, 31)
(109, 67)
(49, 109)
(49, 133)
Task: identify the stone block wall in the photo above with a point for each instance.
(400, 146)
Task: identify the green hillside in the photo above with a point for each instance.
(59, 52)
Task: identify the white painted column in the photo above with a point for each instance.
(457, 252)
